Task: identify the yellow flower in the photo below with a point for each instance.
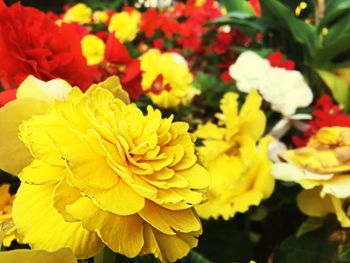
(240, 174)
(166, 80)
(100, 17)
(79, 13)
(93, 49)
(323, 166)
(125, 25)
(6, 200)
(103, 173)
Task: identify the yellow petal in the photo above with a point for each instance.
(13, 153)
(252, 119)
(264, 180)
(123, 234)
(338, 186)
(37, 256)
(175, 247)
(311, 203)
(35, 88)
(210, 131)
(113, 85)
(63, 195)
(121, 199)
(197, 176)
(39, 172)
(342, 217)
(168, 221)
(42, 227)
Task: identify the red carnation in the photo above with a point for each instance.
(32, 44)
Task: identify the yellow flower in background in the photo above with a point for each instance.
(239, 171)
(100, 17)
(79, 13)
(323, 167)
(93, 49)
(125, 25)
(6, 200)
(165, 79)
(103, 173)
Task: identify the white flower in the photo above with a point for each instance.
(286, 90)
(249, 70)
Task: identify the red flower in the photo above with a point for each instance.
(326, 114)
(223, 42)
(32, 44)
(118, 62)
(150, 22)
(276, 60)
(7, 95)
(158, 43)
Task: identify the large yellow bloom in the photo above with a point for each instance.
(240, 174)
(79, 13)
(125, 25)
(323, 169)
(93, 49)
(165, 79)
(104, 173)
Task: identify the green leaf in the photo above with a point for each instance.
(334, 9)
(339, 86)
(310, 224)
(310, 248)
(278, 14)
(106, 256)
(238, 5)
(343, 254)
(240, 19)
(194, 257)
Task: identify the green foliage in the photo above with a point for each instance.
(238, 5)
(310, 224)
(339, 85)
(309, 248)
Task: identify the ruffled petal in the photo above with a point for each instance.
(42, 227)
(123, 234)
(14, 158)
(168, 221)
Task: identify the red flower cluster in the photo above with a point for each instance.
(184, 20)
(276, 60)
(119, 62)
(32, 44)
(326, 114)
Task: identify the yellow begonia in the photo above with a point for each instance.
(323, 167)
(93, 49)
(79, 13)
(166, 80)
(125, 25)
(100, 17)
(239, 173)
(103, 173)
